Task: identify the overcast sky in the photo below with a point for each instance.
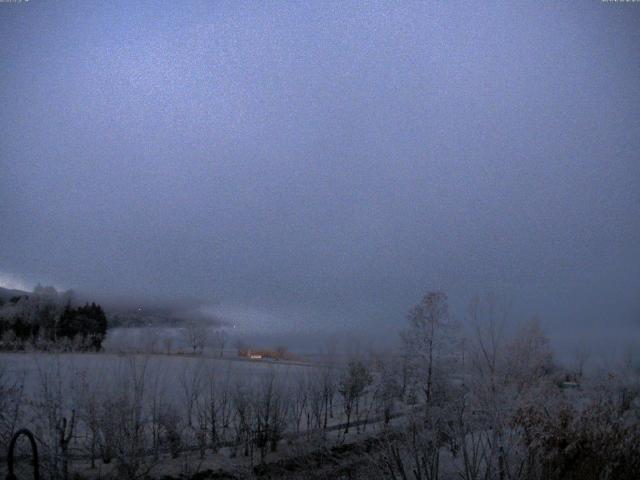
(325, 163)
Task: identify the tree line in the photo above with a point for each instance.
(47, 319)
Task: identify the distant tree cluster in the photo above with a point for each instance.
(47, 319)
(89, 322)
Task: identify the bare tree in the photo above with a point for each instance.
(54, 402)
(11, 403)
(220, 340)
(529, 355)
(299, 394)
(352, 385)
(196, 336)
(244, 418)
(581, 357)
(328, 385)
(270, 412)
(387, 388)
(506, 373)
(488, 321)
(127, 401)
(317, 406)
(167, 342)
(88, 414)
(171, 429)
(190, 382)
(429, 340)
(157, 407)
(218, 406)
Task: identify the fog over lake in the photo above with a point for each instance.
(312, 167)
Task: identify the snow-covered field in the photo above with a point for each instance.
(169, 370)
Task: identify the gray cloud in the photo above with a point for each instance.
(331, 159)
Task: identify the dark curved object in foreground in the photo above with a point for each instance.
(34, 454)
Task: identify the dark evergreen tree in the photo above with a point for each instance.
(89, 322)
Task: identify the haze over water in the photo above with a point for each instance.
(304, 168)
